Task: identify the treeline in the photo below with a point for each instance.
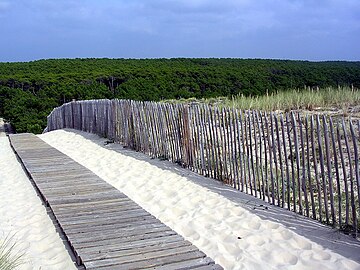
(30, 90)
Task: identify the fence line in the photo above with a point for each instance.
(308, 164)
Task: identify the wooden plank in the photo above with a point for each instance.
(329, 169)
(344, 171)
(248, 165)
(103, 226)
(356, 161)
(115, 210)
(265, 156)
(308, 163)
(336, 165)
(160, 259)
(242, 150)
(286, 162)
(252, 153)
(94, 228)
(297, 155)
(136, 244)
(322, 167)
(280, 161)
(111, 221)
(125, 235)
(303, 166)
(352, 195)
(131, 251)
(199, 264)
(270, 159)
(314, 155)
(288, 128)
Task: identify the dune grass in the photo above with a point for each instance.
(9, 258)
(294, 99)
(309, 99)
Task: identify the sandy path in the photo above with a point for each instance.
(230, 234)
(23, 216)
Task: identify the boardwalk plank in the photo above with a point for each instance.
(146, 263)
(104, 228)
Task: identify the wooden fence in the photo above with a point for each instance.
(308, 164)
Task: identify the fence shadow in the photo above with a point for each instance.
(321, 234)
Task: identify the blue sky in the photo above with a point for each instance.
(283, 29)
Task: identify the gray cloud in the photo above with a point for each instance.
(295, 29)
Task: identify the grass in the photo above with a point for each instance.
(294, 99)
(9, 259)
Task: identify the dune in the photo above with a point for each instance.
(24, 218)
(226, 231)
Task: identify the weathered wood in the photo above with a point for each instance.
(357, 169)
(313, 207)
(270, 159)
(130, 250)
(340, 148)
(232, 147)
(352, 195)
(313, 149)
(329, 169)
(243, 165)
(153, 262)
(265, 154)
(98, 216)
(222, 132)
(239, 148)
(94, 250)
(286, 163)
(280, 161)
(288, 125)
(239, 156)
(252, 153)
(322, 167)
(212, 157)
(297, 155)
(260, 155)
(336, 165)
(275, 188)
(248, 152)
(303, 167)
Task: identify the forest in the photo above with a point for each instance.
(30, 90)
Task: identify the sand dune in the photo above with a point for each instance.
(23, 216)
(234, 237)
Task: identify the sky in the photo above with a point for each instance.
(314, 30)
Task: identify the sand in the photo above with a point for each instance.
(24, 217)
(230, 234)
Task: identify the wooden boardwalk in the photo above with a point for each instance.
(105, 229)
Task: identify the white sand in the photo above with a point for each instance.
(23, 216)
(210, 221)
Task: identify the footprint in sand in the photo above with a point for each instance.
(186, 230)
(255, 239)
(282, 234)
(146, 197)
(321, 255)
(284, 258)
(177, 212)
(302, 243)
(253, 224)
(271, 225)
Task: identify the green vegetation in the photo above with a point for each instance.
(343, 98)
(9, 259)
(29, 91)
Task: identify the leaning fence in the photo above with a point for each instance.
(308, 164)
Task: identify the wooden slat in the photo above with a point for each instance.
(105, 229)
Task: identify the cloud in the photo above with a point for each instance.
(170, 28)
(4, 7)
